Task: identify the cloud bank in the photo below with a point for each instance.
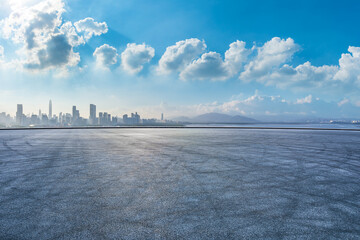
(47, 42)
(265, 108)
(268, 64)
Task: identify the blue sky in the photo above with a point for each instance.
(288, 68)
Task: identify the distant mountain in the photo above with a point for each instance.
(181, 119)
(216, 118)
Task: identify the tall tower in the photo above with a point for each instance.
(74, 114)
(19, 114)
(92, 116)
(50, 109)
(162, 117)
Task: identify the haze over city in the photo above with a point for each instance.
(183, 58)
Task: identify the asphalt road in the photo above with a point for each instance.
(179, 184)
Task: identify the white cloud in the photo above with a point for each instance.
(303, 76)
(269, 57)
(135, 56)
(105, 55)
(342, 102)
(90, 27)
(38, 28)
(69, 30)
(211, 66)
(307, 99)
(267, 64)
(273, 108)
(349, 64)
(1, 53)
(32, 25)
(236, 56)
(269, 67)
(56, 52)
(46, 42)
(177, 56)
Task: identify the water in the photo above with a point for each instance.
(284, 125)
(179, 184)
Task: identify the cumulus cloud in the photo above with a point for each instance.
(211, 66)
(57, 52)
(105, 55)
(135, 56)
(307, 99)
(90, 27)
(269, 57)
(267, 64)
(36, 27)
(46, 41)
(270, 67)
(177, 56)
(349, 64)
(236, 56)
(303, 76)
(69, 30)
(32, 25)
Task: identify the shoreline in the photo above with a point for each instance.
(184, 127)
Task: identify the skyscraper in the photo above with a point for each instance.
(100, 118)
(19, 114)
(162, 117)
(92, 116)
(75, 114)
(50, 109)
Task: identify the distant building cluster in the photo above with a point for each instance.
(133, 120)
(74, 119)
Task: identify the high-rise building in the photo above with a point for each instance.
(19, 114)
(92, 117)
(100, 118)
(125, 119)
(133, 120)
(105, 119)
(136, 118)
(50, 110)
(34, 119)
(162, 117)
(75, 114)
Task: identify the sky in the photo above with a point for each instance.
(262, 59)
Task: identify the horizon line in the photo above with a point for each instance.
(183, 127)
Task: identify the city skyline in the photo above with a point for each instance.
(193, 58)
(75, 118)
